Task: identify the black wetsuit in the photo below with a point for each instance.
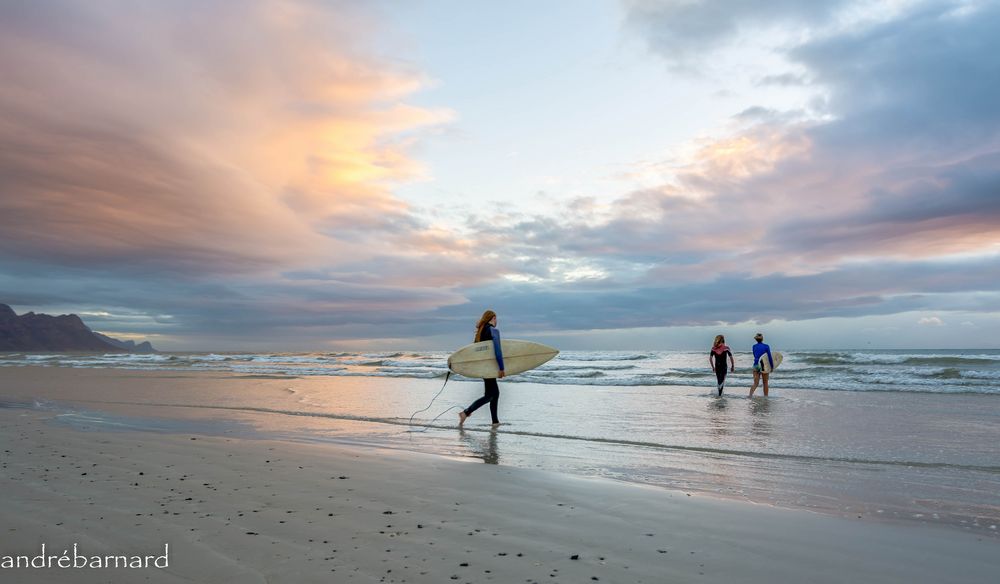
(721, 366)
(492, 394)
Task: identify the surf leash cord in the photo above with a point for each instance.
(446, 378)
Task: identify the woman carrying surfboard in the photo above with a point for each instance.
(486, 331)
(759, 350)
(717, 360)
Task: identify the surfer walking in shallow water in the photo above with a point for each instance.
(759, 350)
(717, 360)
(486, 331)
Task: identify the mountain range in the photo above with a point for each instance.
(66, 332)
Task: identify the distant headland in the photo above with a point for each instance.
(67, 332)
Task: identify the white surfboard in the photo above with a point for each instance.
(478, 360)
(765, 366)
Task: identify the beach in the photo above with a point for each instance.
(259, 260)
(259, 479)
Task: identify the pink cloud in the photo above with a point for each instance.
(254, 134)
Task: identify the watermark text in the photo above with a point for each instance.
(76, 560)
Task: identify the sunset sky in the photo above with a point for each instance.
(644, 174)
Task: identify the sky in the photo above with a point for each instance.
(634, 174)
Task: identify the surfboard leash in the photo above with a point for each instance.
(446, 378)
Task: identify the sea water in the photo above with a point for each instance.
(936, 371)
(901, 435)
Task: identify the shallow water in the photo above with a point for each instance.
(928, 457)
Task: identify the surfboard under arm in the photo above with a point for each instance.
(478, 361)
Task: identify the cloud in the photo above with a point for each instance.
(905, 162)
(183, 167)
(862, 211)
(293, 311)
(930, 321)
(231, 177)
(916, 139)
(936, 209)
(683, 31)
(849, 291)
(256, 135)
(784, 80)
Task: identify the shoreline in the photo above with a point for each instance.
(253, 510)
(903, 491)
(857, 370)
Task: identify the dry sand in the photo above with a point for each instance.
(248, 510)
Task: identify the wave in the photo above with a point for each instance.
(136, 357)
(442, 364)
(586, 374)
(606, 357)
(291, 359)
(567, 367)
(948, 373)
(824, 360)
(993, 376)
(949, 361)
(802, 372)
(210, 357)
(689, 374)
(390, 373)
(911, 360)
(364, 362)
(899, 371)
(256, 369)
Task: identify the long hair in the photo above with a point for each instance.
(719, 340)
(483, 321)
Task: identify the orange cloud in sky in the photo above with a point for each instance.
(744, 155)
(228, 136)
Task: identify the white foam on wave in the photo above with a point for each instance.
(902, 371)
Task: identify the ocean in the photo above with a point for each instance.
(934, 371)
(893, 435)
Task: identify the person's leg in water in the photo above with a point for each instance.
(756, 380)
(491, 394)
(720, 376)
(765, 376)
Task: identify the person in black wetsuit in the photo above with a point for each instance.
(486, 331)
(717, 360)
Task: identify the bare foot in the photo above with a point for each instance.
(461, 418)
(495, 424)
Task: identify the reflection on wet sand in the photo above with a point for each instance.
(760, 419)
(719, 418)
(485, 449)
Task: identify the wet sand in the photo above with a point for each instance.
(255, 510)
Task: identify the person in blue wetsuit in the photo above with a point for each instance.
(759, 350)
(486, 331)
